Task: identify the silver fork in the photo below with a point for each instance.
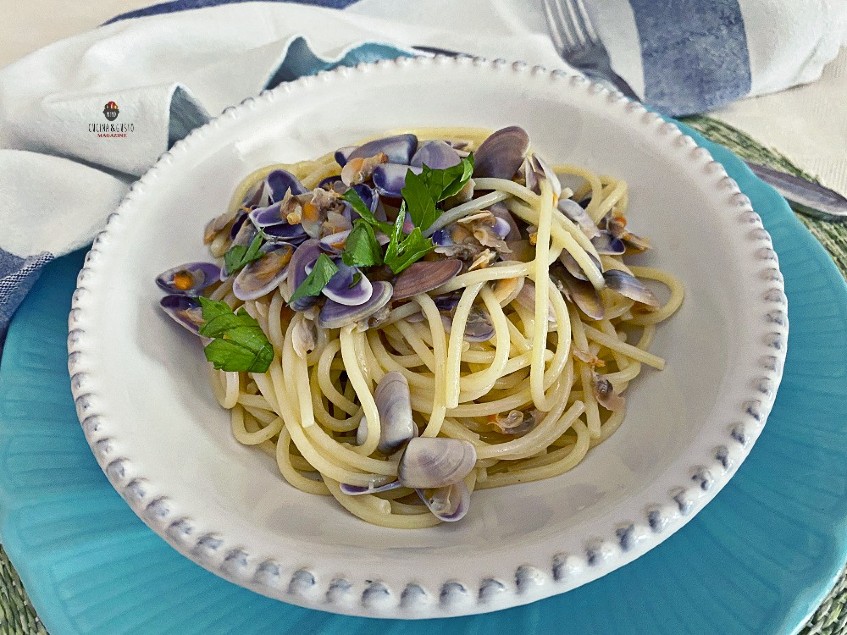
(578, 43)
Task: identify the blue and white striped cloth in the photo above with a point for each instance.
(171, 66)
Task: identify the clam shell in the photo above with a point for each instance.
(184, 310)
(368, 195)
(244, 237)
(502, 153)
(389, 179)
(342, 289)
(342, 155)
(449, 503)
(280, 182)
(424, 276)
(293, 234)
(605, 393)
(437, 155)
(398, 149)
(304, 256)
(573, 267)
(433, 462)
(393, 401)
(478, 328)
(265, 274)
(583, 294)
(630, 286)
(190, 278)
(358, 490)
(526, 299)
(607, 244)
(448, 301)
(575, 212)
(503, 215)
(334, 315)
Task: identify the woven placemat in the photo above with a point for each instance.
(17, 616)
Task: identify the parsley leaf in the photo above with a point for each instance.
(422, 192)
(361, 248)
(323, 270)
(401, 253)
(352, 197)
(410, 250)
(419, 199)
(238, 342)
(238, 255)
(445, 183)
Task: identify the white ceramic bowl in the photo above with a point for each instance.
(141, 386)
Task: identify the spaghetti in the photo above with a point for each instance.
(500, 355)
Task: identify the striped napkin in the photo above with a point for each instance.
(81, 119)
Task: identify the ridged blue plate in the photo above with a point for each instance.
(758, 559)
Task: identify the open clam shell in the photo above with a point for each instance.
(438, 155)
(607, 244)
(424, 276)
(190, 278)
(394, 403)
(631, 287)
(334, 315)
(502, 153)
(433, 462)
(576, 212)
(398, 149)
(265, 274)
(358, 490)
(389, 179)
(449, 503)
(582, 293)
(303, 257)
(184, 310)
(348, 286)
(282, 181)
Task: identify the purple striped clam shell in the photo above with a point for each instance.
(348, 286)
(189, 279)
(334, 315)
(501, 154)
(184, 310)
(398, 149)
(389, 179)
(437, 155)
(265, 274)
(280, 182)
(304, 256)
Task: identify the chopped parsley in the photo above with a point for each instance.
(238, 255)
(238, 343)
(314, 283)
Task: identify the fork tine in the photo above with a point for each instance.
(550, 11)
(576, 21)
(562, 25)
(585, 21)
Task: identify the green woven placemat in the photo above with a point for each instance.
(17, 617)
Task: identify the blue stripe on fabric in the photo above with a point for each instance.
(186, 5)
(693, 52)
(17, 275)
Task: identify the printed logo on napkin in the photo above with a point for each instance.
(111, 130)
(110, 111)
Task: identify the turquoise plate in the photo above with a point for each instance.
(758, 559)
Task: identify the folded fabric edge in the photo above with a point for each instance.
(299, 60)
(185, 114)
(188, 5)
(17, 275)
